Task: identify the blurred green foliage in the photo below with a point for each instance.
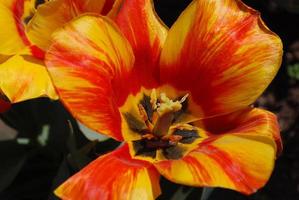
(293, 71)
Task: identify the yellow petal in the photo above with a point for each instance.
(25, 77)
(54, 14)
(230, 161)
(246, 121)
(12, 35)
(240, 157)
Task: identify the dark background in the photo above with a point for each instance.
(31, 171)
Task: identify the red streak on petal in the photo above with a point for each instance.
(21, 90)
(37, 52)
(97, 99)
(199, 71)
(242, 180)
(18, 10)
(107, 7)
(135, 25)
(195, 166)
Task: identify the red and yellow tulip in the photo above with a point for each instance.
(179, 99)
(26, 37)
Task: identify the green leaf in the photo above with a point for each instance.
(293, 71)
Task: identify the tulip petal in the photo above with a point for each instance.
(111, 8)
(113, 176)
(13, 37)
(242, 159)
(54, 14)
(88, 58)
(25, 77)
(247, 121)
(222, 52)
(4, 58)
(146, 33)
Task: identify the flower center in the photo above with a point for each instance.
(160, 123)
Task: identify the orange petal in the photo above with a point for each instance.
(25, 77)
(14, 14)
(88, 58)
(233, 162)
(222, 52)
(113, 176)
(146, 34)
(241, 158)
(54, 14)
(246, 122)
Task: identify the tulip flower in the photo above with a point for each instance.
(179, 99)
(26, 37)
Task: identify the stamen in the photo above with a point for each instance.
(154, 99)
(184, 127)
(142, 112)
(148, 136)
(172, 138)
(144, 116)
(184, 98)
(158, 127)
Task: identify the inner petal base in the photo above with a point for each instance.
(158, 125)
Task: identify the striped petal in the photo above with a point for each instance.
(242, 159)
(222, 52)
(54, 14)
(146, 34)
(113, 176)
(111, 8)
(247, 120)
(13, 14)
(89, 57)
(25, 77)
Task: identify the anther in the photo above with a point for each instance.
(144, 117)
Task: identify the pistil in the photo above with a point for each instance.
(158, 127)
(163, 123)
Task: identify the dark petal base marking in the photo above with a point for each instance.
(173, 153)
(135, 124)
(188, 136)
(146, 103)
(155, 138)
